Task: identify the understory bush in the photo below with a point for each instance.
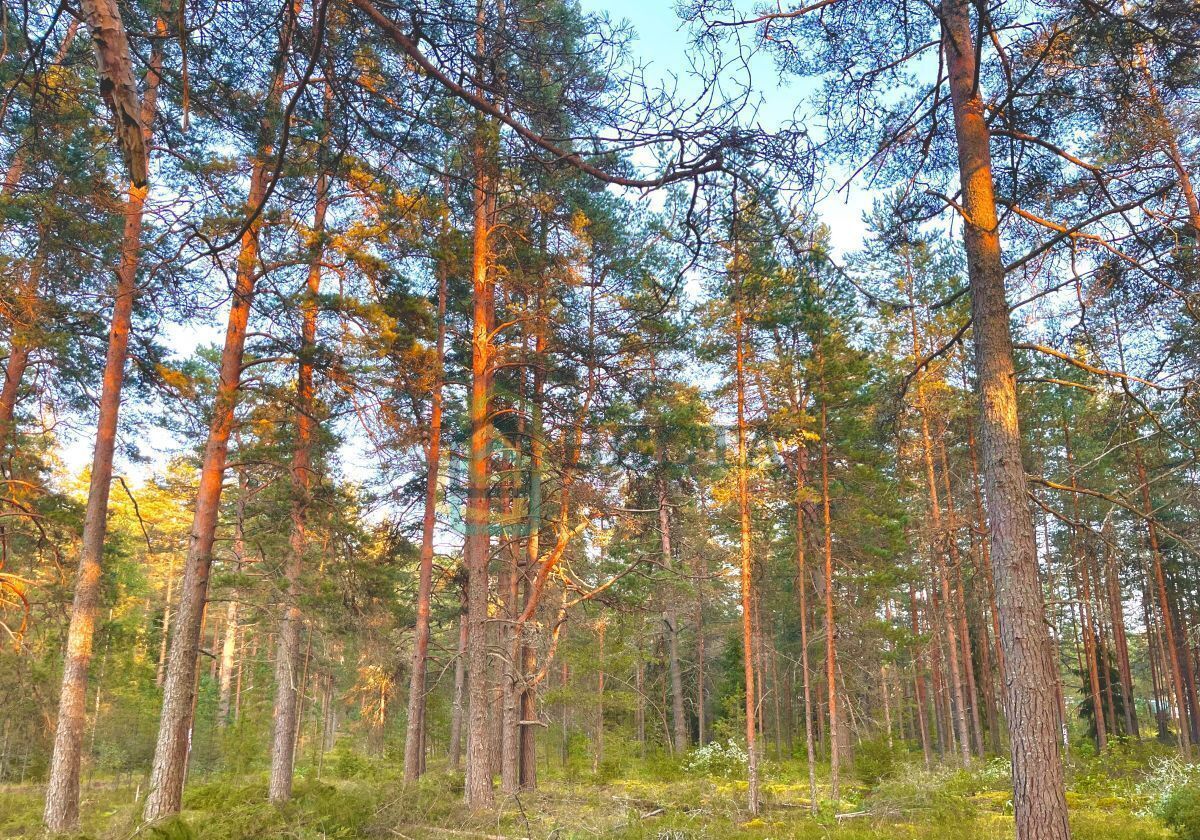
(725, 760)
(1181, 812)
(915, 793)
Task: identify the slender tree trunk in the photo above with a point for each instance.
(1164, 606)
(479, 793)
(598, 753)
(679, 729)
(287, 686)
(698, 613)
(457, 703)
(169, 768)
(414, 736)
(1090, 651)
(528, 769)
(747, 566)
(1120, 642)
(62, 792)
(940, 540)
(229, 650)
(919, 679)
(1039, 801)
(830, 620)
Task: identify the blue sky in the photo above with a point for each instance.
(662, 44)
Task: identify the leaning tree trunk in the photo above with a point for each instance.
(117, 86)
(1039, 801)
(169, 768)
(287, 687)
(62, 793)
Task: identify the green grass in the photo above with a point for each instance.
(651, 800)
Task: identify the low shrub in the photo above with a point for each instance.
(1181, 811)
(724, 760)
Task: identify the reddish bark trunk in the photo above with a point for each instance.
(1031, 680)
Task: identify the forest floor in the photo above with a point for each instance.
(1109, 799)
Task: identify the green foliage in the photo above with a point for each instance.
(874, 761)
(725, 760)
(1181, 811)
(913, 793)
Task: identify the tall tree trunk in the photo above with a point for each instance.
(679, 729)
(830, 619)
(919, 680)
(229, 649)
(457, 702)
(1164, 606)
(1120, 642)
(287, 686)
(169, 768)
(698, 618)
(1090, 652)
(1039, 800)
(117, 86)
(528, 769)
(747, 567)
(598, 752)
(940, 540)
(62, 792)
(479, 793)
(414, 736)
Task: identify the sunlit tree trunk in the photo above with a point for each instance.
(414, 736)
(1031, 680)
(479, 793)
(169, 768)
(117, 86)
(62, 791)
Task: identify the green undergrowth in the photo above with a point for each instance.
(1132, 793)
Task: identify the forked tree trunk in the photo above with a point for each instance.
(62, 792)
(289, 683)
(1039, 801)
